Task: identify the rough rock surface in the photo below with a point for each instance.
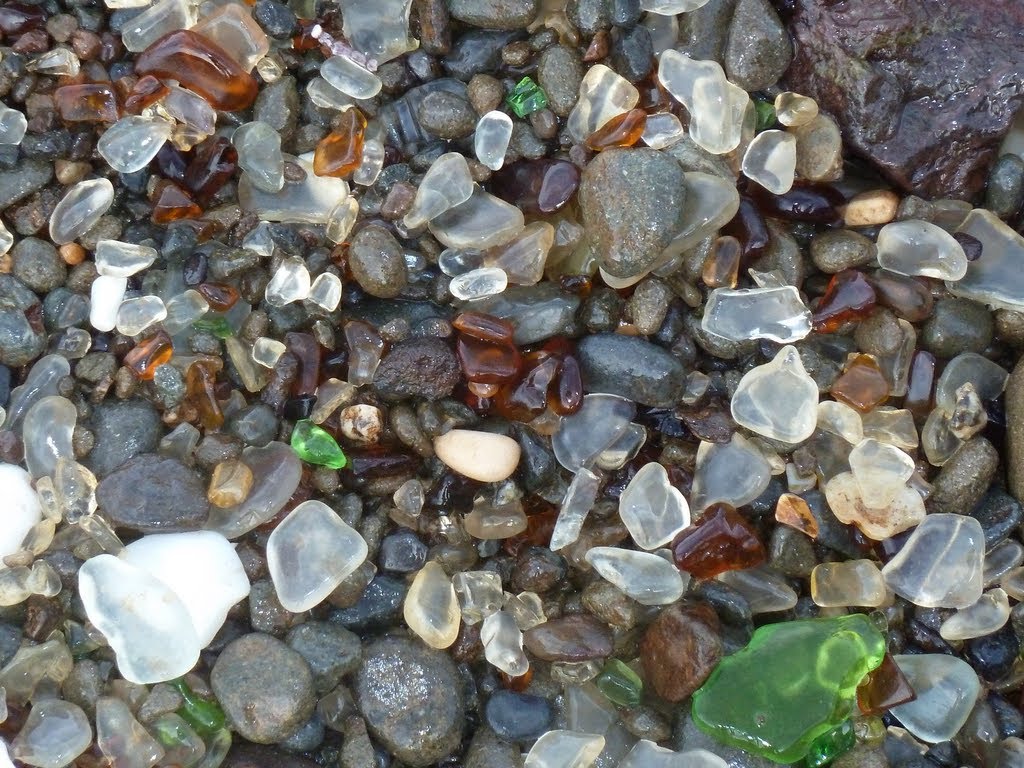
(924, 90)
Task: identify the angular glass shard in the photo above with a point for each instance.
(232, 27)
(277, 471)
(919, 248)
(341, 220)
(903, 511)
(117, 259)
(579, 500)
(198, 119)
(764, 590)
(734, 473)
(564, 749)
(894, 426)
(310, 553)
(601, 420)
(326, 291)
(365, 348)
(146, 624)
(259, 155)
(156, 21)
(290, 283)
(662, 130)
(446, 184)
(941, 564)
(647, 578)
(79, 209)
(757, 313)
(493, 133)
(856, 583)
(503, 644)
(309, 201)
(770, 160)
(881, 471)
(652, 509)
(378, 28)
(523, 258)
(431, 608)
(983, 618)
(778, 400)
(350, 78)
(55, 733)
(136, 315)
(121, 738)
(947, 689)
(716, 106)
(988, 378)
(478, 283)
(133, 141)
(603, 95)
(479, 594)
(326, 96)
(840, 419)
(526, 608)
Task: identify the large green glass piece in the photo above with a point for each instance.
(204, 715)
(526, 97)
(316, 446)
(620, 684)
(831, 745)
(794, 682)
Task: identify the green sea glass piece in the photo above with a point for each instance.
(793, 683)
(315, 445)
(831, 745)
(620, 684)
(204, 715)
(527, 97)
(218, 325)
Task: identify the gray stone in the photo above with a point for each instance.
(1005, 191)
(879, 333)
(307, 737)
(835, 251)
(264, 687)
(1014, 400)
(123, 429)
(999, 514)
(377, 262)
(559, 73)
(963, 479)
(486, 750)
(632, 54)
(278, 106)
(957, 325)
(446, 115)
(494, 14)
(632, 206)
(417, 368)
(153, 494)
(356, 749)
(791, 553)
(649, 304)
(331, 651)
(759, 49)
(27, 177)
(589, 16)
(411, 697)
(485, 93)
(244, 755)
(631, 367)
(21, 342)
(703, 32)
(38, 265)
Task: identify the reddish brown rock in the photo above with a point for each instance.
(925, 90)
(570, 638)
(680, 649)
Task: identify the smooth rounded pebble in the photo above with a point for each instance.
(481, 456)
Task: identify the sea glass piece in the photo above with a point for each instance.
(988, 378)
(920, 248)
(340, 152)
(770, 160)
(276, 471)
(721, 540)
(159, 19)
(662, 130)
(793, 109)
(672, 7)
(478, 283)
(523, 257)
(792, 683)
(79, 209)
(232, 27)
(716, 106)
(136, 315)
(310, 553)
(493, 133)
(289, 283)
(22, 510)
(13, 125)
(777, 314)
(652, 509)
(601, 420)
(315, 445)
(947, 689)
(940, 566)
(603, 94)
(884, 687)
(482, 221)
(647, 578)
(778, 400)
(133, 141)
(365, 350)
(431, 608)
(479, 594)
(904, 510)
(117, 259)
(526, 97)
(710, 202)
(371, 163)
(259, 155)
(996, 279)
(793, 510)
(862, 384)
(983, 618)
(894, 426)
(350, 78)
(106, 295)
(502, 640)
(121, 738)
(576, 505)
(840, 419)
(325, 291)
(734, 473)
(881, 471)
(848, 583)
(309, 201)
(54, 734)
(765, 590)
(564, 749)
(49, 425)
(445, 185)
(378, 29)
(647, 754)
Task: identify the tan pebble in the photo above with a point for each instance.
(877, 206)
(361, 423)
(72, 253)
(481, 456)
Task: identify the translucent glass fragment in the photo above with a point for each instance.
(778, 400)
(133, 141)
(308, 201)
(986, 616)
(770, 160)
(604, 94)
(503, 643)
(757, 313)
(446, 184)
(350, 78)
(576, 505)
(117, 259)
(80, 208)
(647, 578)
(652, 509)
(996, 279)
(136, 315)
(735, 473)
(493, 133)
(919, 248)
(431, 609)
(716, 106)
(290, 283)
(947, 689)
(259, 155)
(478, 283)
(13, 125)
(564, 749)
(156, 21)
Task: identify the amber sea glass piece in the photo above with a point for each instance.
(849, 296)
(793, 511)
(484, 327)
(862, 385)
(487, 363)
(621, 131)
(528, 398)
(722, 266)
(340, 152)
(200, 389)
(220, 296)
(146, 92)
(213, 163)
(722, 540)
(749, 227)
(87, 103)
(149, 355)
(172, 203)
(201, 66)
(883, 688)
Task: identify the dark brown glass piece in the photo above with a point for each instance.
(199, 65)
(621, 131)
(484, 327)
(149, 355)
(813, 203)
(306, 350)
(570, 388)
(487, 363)
(862, 385)
(528, 398)
(849, 296)
(88, 103)
(200, 389)
(883, 688)
(172, 203)
(722, 540)
(749, 227)
(214, 162)
(16, 18)
(220, 296)
(537, 186)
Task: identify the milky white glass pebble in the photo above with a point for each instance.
(645, 577)
(133, 141)
(881, 471)
(716, 106)
(350, 78)
(478, 283)
(904, 510)
(21, 508)
(117, 259)
(947, 689)
(136, 315)
(919, 248)
(55, 733)
(310, 553)
(652, 509)
(290, 283)
(431, 608)
(778, 400)
(13, 125)
(80, 208)
(770, 160)
(106, 296)
(493, 133)
(326, 291)
(564, 749)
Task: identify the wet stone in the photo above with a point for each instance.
(411, 698)
(265, 688)
(377, 262)
(122, 430)
(487, 750)
(517, 716)
(999, 515)
(424, 368)
(153, 494)
(332, 652)
(630, 367)
(758, 49)
(680, 649)
(835, 251)
(447, 115)
(559, 72)
(1004, 193)
(494, 14)
(570, 638)
(402, 552)
(957, 325)
(963, 479)
(38, 265)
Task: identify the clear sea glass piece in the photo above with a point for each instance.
(764, 590)
(919, 248)
(326, 291)
(55, 733)
(905, 509)
(326, 96)
(662, 130)
(672, 7)
(757, 313)
(778, 400)
(770, 160)
(156, 21)
(996, 279)
(986, 616)
(524, 256)
(121, 738)
(503, 643)
(232, 27)
(840, 419)
(576, 505)
(341, 219)
(652, 509)
(604, 94)
(183, 310)
(117, 259)
(711, 202)
(47, 432)
(309, 201)
(378, 28)
(647, 578)
(259, 155)
(647, 754)
(988, 378)
(350, 78)
(43, 380)
(136, 315)
(13, 125)
(947, 689)
(583, 436)
(478, 283)
(22, 510)
(735, 473)
(371, 164)
(856, 583)
(79, 209)
(431, 609)
(277, 471)
(891, 425)
(106, 295)
(564, 749)
(881, 471)
(493, 133)
(290, 283)
(446, 184)
(133, 141)
(196, 117)
(267, 352)
(479, 594)
(716, 106)
(793, 109)
(482, 221)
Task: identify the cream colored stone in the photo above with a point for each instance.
(871, 208)
(481, 456)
